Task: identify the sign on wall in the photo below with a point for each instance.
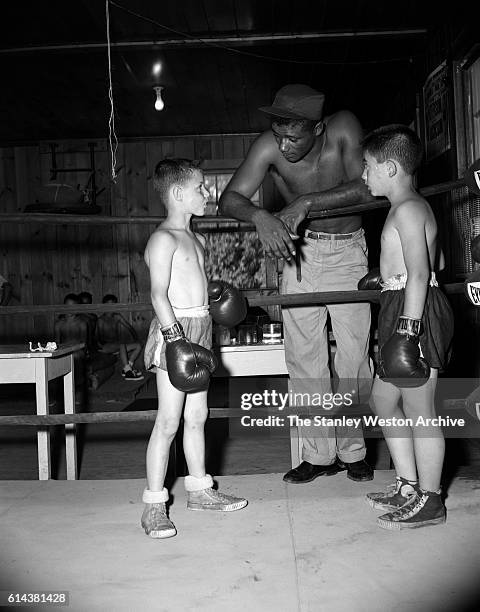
(436, 110)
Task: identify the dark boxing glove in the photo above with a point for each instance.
(189, 365)
(400, 360)
(372, 280)
(227, 305)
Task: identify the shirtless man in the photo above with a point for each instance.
(316, 164)
(178, 346)
(415, 329)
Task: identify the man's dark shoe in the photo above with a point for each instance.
(306, 472)
(358, 470)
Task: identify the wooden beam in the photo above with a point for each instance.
(221, 40)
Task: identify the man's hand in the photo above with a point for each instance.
(274, 235)
(293, 214)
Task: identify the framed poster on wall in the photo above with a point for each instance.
(436, 112)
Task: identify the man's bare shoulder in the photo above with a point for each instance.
(343, 123)
(264, 146)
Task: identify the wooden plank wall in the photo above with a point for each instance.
(45, 262)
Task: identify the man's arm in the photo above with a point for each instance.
(235, 200)
(346, 128)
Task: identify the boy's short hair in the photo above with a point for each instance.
(109, 298)
(71, 297)
(397, 142)
(170, 171)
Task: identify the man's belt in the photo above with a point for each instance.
(324, 236)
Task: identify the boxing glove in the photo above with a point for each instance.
(400, 361)
(189, 365)
(372, 280)
(472, 288)
(228, 307)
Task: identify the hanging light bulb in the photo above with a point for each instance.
(159, 103)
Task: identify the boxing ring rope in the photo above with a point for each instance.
(294, 299)
(51, 420)
(64, 219)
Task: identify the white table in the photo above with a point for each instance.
(251, 360)
(19, 365)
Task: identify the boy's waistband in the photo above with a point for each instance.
(399, 281)
(191, 311)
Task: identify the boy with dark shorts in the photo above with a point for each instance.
(178, 345)
(415, 329)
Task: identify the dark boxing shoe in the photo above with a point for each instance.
(359, 471)
(306, 472)
(397, 495)
(424, 508)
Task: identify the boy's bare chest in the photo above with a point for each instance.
(189, 253)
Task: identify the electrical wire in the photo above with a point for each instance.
(112, 136)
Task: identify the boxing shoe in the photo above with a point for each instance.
(155, 521)
(397, 495)
(307, 472)
(424, 508)
(201, 496)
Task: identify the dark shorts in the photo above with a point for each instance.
(437, 321)
(197, 330)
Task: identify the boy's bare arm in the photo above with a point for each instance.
(159, 259)
(410, 220)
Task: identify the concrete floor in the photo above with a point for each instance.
(309, 548)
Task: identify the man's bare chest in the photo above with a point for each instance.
(325, 172)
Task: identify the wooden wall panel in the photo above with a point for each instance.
(45, 262)
(10, 236)
(154, 152)
(137, 200)
(120, 204)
